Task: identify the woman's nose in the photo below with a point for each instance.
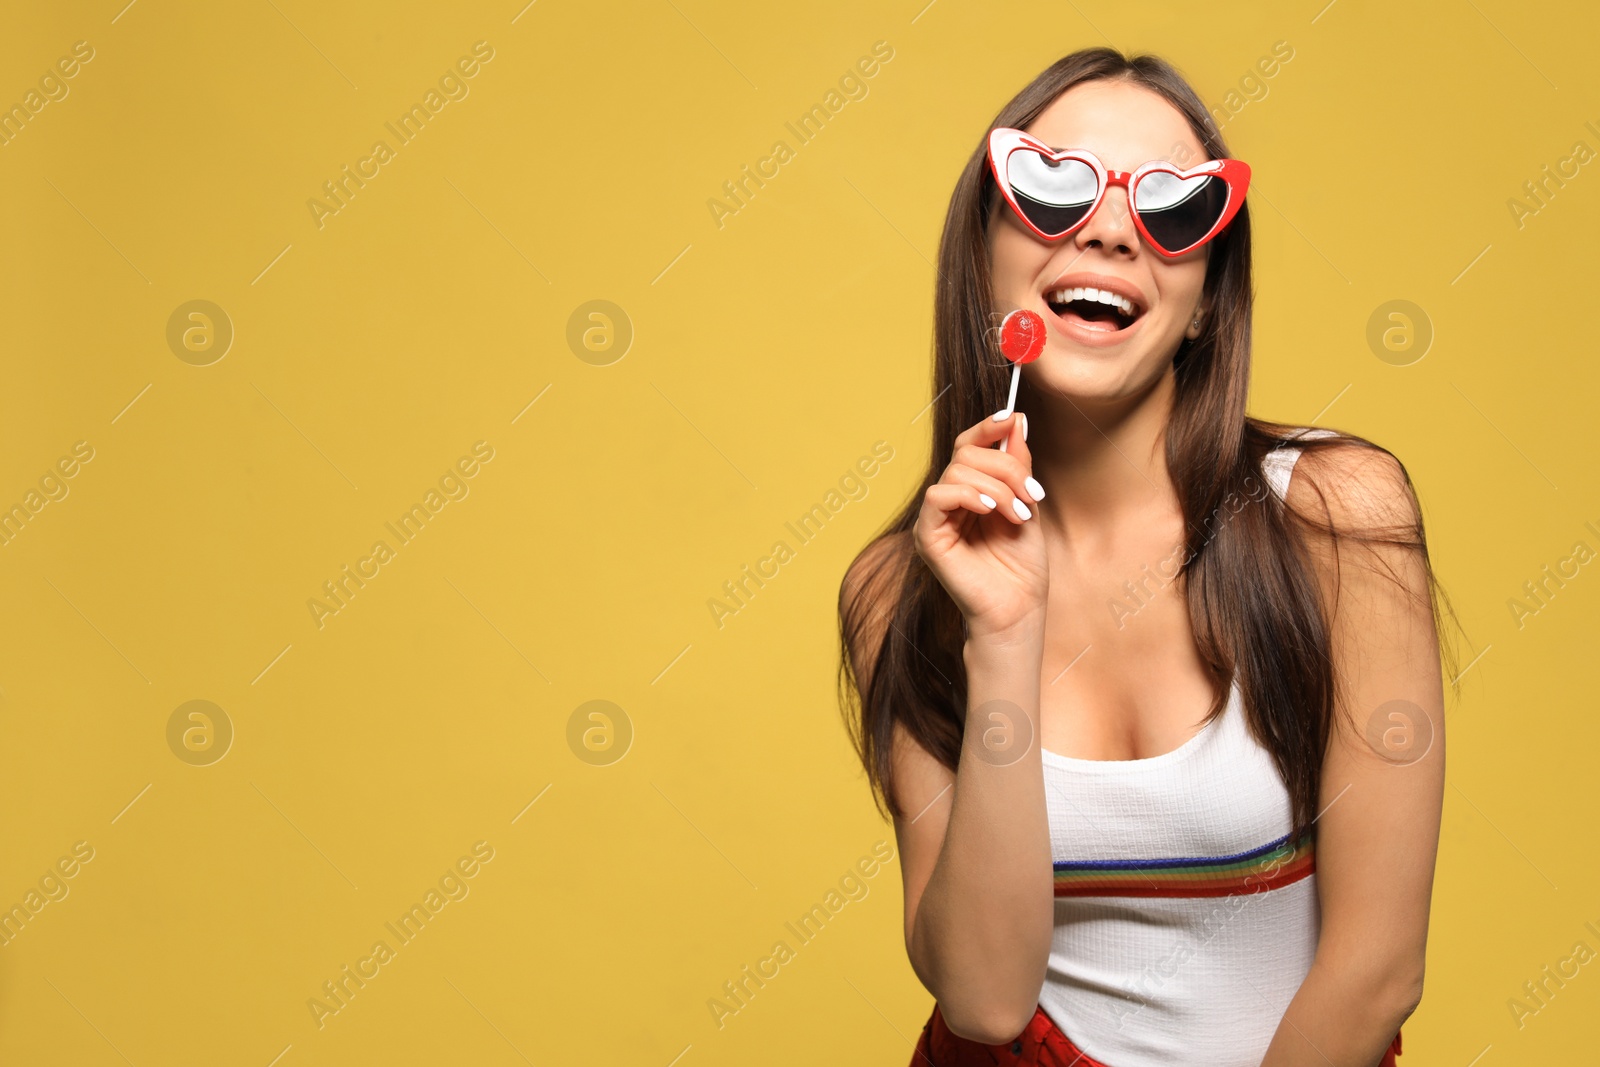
(1111, 225)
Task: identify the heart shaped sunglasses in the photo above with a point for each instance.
(1055, 192)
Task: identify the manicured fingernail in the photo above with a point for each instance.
(1024, 425)
(988, 501)
(1035, 490)
(1001, 415)
(1021, 509)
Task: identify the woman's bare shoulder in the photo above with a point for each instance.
(877, 568)
(1354, 484)
(867, 598)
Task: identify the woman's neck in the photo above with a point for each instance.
(1103, 465)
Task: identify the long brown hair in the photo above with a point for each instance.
(1253, 596)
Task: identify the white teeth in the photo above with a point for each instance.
(1063, 296)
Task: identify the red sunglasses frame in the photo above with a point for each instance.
(1235, 174)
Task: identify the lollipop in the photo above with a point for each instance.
(1022, 340)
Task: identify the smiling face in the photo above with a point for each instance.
(1093, 353)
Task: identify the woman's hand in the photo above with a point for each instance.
(973, 535)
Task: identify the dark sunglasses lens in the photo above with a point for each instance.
(1054, 196)
(1179, 211)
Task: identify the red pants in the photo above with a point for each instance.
(1042, 1044)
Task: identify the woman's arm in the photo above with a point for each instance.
(1383, 775)
(980, 900)
(975, 846)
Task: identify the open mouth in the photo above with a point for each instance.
(1094, 309)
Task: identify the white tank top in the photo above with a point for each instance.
(1185, 918)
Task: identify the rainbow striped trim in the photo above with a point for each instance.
(1271, 866)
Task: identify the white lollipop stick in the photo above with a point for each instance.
(1011, 401)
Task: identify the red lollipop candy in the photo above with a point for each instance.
(1022, 340)
(1022, 336)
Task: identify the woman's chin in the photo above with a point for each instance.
(1093, 377)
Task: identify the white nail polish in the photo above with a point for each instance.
(1021, 509)
(1024, 425)
(1000, 416)
(1035, 490)
(987, 500)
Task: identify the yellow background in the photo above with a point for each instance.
(768, 356)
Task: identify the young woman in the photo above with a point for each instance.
(1161, 729)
